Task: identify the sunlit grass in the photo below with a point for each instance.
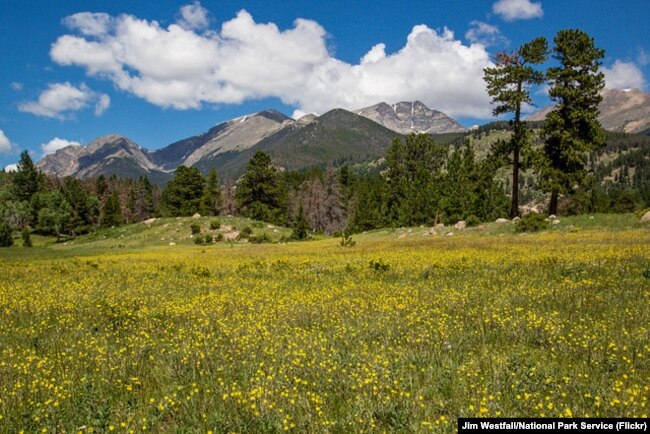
(312, 337)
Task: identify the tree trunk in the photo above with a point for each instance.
(552, 209)
(514, 207)
(518, 137)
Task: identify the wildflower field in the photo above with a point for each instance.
(395, 334)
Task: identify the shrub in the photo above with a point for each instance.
(246, 232)
(208, 238)
(346, 240)
(260, 239)
(531, 222)
(219, 237)
(199, 240)
(378, 265)
(196, 228)
(472, 220)
(6, 238)
(27, 239)
(215, 224)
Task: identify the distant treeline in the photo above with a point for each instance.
(421, 182)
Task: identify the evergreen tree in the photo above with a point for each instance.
(56, 217)
(572, 129)
(112, 211)
(413, 165)
(260, 193)
(27, 180)
(182, 196)
(508, 84)
(300, 226)
(211, 199)
(100, 185)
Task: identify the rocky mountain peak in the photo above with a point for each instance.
(410, 117)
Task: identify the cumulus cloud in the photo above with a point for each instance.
(5, 143)
(194, 16)
(55, 144)
(11, 168)
(485, 34)
(511, 10)
(178, 66)
(623, 75)
(60, 100)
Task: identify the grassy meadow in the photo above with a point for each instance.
(403, 332)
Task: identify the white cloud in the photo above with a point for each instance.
(90, 24)
(59, 100)
(511, 10)
(11, 168)
(177, 67)
(5, 143)
(55, 144)
(485, 34)
(194, 16)
(623, 75)
(103, 102)
(16, 86)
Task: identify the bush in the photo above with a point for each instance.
(378, 265)
(260, 239)
(199, 240)
(215, 224)
(208, 238)
(346, 240)
(531, 222)
(27, 239)
(219, 237)
(472, 220)
(196, 228)
(246, 232)
(6, 236)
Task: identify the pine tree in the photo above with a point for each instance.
(572, 129)
(112, 211)
(413, 165)
(182, 196)
(300, 226)
(27, 180)
(211, 199)
(260, 193)
(508, 83)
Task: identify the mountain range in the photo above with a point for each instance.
(335, 137)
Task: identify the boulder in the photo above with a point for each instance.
(501, 221)
(646, 217)
(196, 216)
(460, 225)
(149, 221)
(556, 222)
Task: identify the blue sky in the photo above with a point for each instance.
(158, 72)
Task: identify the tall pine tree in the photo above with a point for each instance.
(508, 83)
(572, 129)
